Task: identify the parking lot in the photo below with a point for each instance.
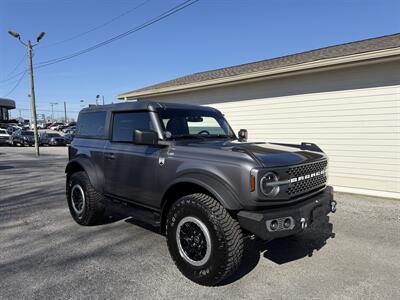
(45, 255)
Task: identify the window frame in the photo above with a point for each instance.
(104, 137)
(113, 113)
(211, 114)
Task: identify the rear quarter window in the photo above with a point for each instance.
(91, 124)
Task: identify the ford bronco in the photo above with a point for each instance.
(182, 169)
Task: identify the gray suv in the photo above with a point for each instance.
(182, 169)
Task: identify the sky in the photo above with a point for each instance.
(207, 35)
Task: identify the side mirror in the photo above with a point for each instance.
(242, 134)
(145, 137)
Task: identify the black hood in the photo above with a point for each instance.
(268, 155)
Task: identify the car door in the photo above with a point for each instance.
(129, 169)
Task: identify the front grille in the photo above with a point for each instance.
(307, 177)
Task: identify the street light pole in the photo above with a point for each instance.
(29, 45)
(33, 99)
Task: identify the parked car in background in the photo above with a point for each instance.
(52, 139)
(5, 137)
(41, 125)
(24, 126)
(69, 137)
(70, 130)
(12, 128)
(23, 138)
(61, 127)
(54, 126)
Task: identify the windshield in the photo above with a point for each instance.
(185, 123)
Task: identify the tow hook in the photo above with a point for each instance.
(333, 206)
(303, 223)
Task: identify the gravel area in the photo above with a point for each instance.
(45, 255)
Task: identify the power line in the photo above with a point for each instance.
(48, 110)
(97, 27)
(16, 85)
(17, 66)
(14, 76)
(160, 17)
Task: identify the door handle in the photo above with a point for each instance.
(109, 156)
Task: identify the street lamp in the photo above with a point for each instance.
(41, 35)
(29, 46)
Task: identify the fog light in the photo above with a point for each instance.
(287, 223)
(274, 225)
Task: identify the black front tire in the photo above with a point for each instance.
(224, 234)
(91, 210)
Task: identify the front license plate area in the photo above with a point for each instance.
(318, 213)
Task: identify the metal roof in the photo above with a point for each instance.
(369, 45)
(8, 103)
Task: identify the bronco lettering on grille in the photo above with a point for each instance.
(308, 176)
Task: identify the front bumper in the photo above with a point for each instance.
(269, 224)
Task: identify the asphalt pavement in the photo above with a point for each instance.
(44, 254)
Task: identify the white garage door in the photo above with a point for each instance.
(358, 129)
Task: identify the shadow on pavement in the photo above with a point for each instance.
(6, 167)
(279, 251)
(284, 250)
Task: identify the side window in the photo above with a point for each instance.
(125, 123)
(91, 124)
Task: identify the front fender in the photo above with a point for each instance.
(220, 189)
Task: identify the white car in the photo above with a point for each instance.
(5, 138)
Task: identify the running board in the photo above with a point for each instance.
(137, 212)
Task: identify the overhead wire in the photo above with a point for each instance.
(17, 65)
(156, 19)
(97, 27)
(16, 85)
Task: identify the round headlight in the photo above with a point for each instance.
(268, 187)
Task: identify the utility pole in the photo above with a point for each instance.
(52, 110)
(65, 112)
(33, 100)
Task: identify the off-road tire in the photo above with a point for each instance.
(225, 235)
(93, 209)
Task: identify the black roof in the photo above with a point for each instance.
(8, 103)
(145, 105)
(368, 45)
